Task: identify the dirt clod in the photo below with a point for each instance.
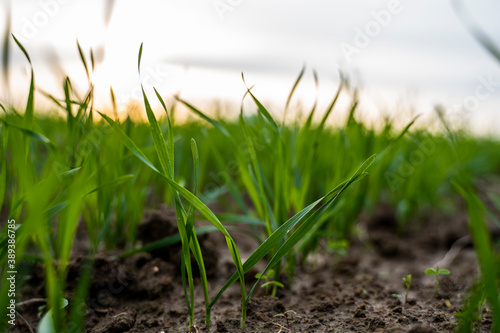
(116, 323)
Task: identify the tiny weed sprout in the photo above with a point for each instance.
(285, 315)
(338, 247)
(267, 283)
(274, 284)
(407, 282)
(436, 272)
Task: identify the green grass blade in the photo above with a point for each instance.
(68, 222)
(31, 134)
(203, 116)
(186, 269)
(475, 30)
(67, 97)
(196, 164)
(92, 60)
(30, 106)
(139, 57)
(199, 205)
(185, 260)
(482, 243)
(231, 182)
(113, 103)
(3, 166)
(469, 315)
(53, 210)
(308, 122)
(22, 49)
(397, 139)
(6, 49)
(331, 106)
(261, 108)
(158, 139)
(77, 316)
(128, 142)
(259, 188)
(234, 218)
(82, 58)
(288, 100)
(111, 183)
(164, 242)
(170, 134)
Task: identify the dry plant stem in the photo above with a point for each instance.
(31, 301)
(24, 319)
(437, 285)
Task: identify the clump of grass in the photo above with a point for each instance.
(486, 288)
(278, 241)
(284, 185)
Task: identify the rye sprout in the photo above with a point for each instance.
(407, 282)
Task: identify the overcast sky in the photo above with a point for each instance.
(404, 52)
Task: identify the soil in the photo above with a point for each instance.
(330, 293)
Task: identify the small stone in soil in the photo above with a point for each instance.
(262, 316)
(324, 307)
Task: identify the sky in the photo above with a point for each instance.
(405, 56)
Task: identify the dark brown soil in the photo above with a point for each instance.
(330, 293)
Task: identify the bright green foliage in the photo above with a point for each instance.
(487, 288)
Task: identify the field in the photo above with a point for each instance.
(244, 225)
